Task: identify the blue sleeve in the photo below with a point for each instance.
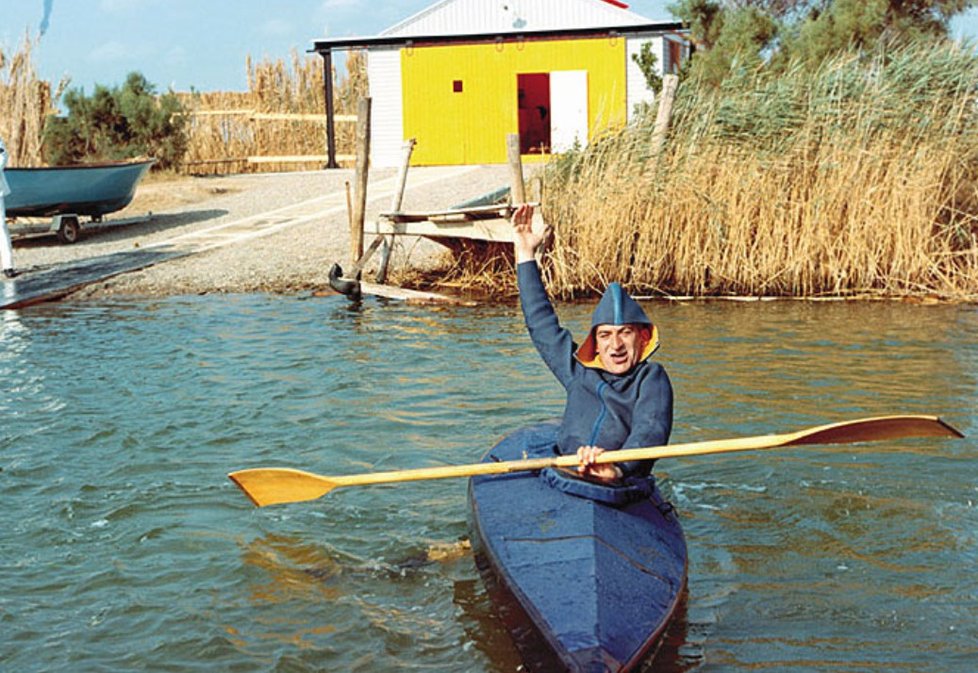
(554, 343)
(652, 419)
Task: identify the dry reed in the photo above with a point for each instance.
(226, 128)
(25, 102)
(861, 178)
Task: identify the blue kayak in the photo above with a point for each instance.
(599, 571)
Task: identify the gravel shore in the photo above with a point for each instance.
(293, 259)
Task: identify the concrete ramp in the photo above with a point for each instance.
(64, 279)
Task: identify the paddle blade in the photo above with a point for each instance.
(875, 429)
(275, 485)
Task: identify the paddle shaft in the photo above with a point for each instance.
(885, 427)
(267, 486)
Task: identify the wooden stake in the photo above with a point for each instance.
(385, 254)
(517, 190)
(349, 206)
(362, 172)
(664, 114)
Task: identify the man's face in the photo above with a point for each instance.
(620, 346)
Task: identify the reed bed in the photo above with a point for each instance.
(860, 178)
(226, 128)
(25, 102)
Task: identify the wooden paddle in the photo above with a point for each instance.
(274, 485)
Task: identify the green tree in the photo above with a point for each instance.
(728, 38)
(118, 123)
(704, 19)
(748, 33)
(866, 23)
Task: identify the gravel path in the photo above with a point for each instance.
(296, 258)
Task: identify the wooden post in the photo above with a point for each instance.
(349, 206)
(406, 149)
(385, 253)
(517, 190)
(664, 114)
(362, 171)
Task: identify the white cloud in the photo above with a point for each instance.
(277, 27)
(110, 52)
(340, 4)
(123, 5)
(176, 55)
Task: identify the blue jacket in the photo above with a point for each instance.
(603, 409)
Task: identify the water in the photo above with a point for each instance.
(126, 548)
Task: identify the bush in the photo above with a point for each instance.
(118, 123)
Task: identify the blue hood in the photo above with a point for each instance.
(616, 308)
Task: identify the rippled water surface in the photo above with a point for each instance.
(126, 548)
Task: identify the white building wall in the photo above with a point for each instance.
(387, 107)
(637, 88)
(459, 17)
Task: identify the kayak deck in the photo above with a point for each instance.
(600, 582)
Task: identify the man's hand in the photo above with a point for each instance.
(525, 240)
(588, 468)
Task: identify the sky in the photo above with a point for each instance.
(203, 44)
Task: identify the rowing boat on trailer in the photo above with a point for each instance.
(86, 189)
(599, 571)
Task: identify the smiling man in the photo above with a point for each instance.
(616, 397)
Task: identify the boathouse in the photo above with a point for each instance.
(462, 74)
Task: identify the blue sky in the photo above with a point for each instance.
(203, 44)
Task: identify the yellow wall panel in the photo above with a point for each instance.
(471, 126)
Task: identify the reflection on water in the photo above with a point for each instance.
(127, 546)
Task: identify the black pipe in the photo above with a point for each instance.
(351, 288)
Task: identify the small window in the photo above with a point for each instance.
(457, 86)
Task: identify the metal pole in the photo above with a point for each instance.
(330, 130)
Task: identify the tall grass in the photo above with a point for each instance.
(223, 132)
(860, 177)
(25, 102)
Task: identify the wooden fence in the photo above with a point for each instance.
(245, 140)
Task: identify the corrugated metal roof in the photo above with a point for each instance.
(461, 17)
(382, 41)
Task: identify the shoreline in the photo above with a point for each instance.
(294, 258)
(297, 258)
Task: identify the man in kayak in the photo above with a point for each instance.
(6, 250)
(616, 397)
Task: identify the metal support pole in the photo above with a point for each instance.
(330, 128)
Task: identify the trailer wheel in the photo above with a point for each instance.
(70, 230)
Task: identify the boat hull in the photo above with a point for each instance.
(599, 582)
(93, 190)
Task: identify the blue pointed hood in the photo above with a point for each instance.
(616, 308)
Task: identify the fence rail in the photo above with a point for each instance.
(258, 144)
(279, 116)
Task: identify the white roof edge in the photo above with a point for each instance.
(627, 16)
(393, 30)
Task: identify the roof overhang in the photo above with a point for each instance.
(339, 44)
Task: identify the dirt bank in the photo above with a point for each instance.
(294, 258)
